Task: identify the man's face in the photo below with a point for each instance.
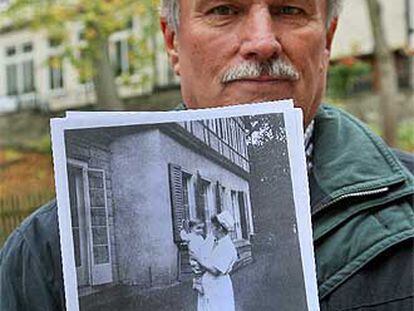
(224, 50)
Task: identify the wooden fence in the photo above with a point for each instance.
(14, 209)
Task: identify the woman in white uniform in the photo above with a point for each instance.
(218, 263)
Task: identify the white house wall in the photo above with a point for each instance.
(146, 251)
(73, 94)
(353, 35)
(411, 25)
(353, 38)
(191, 162)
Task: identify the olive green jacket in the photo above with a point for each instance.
(362, 206)
(362, 198)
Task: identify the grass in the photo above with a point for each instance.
(405, 127)
(25, 173)
(10, 155)
(26, 182)
(406, 136)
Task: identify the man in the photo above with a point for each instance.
(237, 51)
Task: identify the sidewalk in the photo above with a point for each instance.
(249, 283)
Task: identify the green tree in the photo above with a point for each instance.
(344, 76)
(99, 19)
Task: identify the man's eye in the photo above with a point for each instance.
(223, 10)
(290, 10)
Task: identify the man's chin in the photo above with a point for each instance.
(258, 99)
(237, 100)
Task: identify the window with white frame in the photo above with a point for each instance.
(11, 76)
(204, 207)
(237, 232)
(189, 195)
(240, 215)
(55, 73)
(20, 73)
(56, 79)
(120, 57)
(221, 204)
(28, 76)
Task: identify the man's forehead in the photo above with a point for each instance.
(270, 2)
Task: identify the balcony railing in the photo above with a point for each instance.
(237, 154)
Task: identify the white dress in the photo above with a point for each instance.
(218, 290)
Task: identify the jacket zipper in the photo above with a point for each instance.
(352, 195)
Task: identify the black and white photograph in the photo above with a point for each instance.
(197, 214)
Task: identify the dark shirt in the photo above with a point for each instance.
(30, 266)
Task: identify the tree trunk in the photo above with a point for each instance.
(154, 62)
(388, 91)
(153, 25)
(104, 80)
(410, 40)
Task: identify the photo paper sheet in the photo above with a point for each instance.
(143, 199)
(279, 106)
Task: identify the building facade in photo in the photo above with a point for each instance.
(131, 187)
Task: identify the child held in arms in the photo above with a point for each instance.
(192, 234)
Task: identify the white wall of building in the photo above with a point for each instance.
(353, 38)
(354, 31)
(73, 93)
(411, 25)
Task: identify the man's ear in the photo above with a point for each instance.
(331, 33)
(170, 40)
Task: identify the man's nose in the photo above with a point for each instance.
(259, 39)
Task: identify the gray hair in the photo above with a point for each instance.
(333, 10)
(170, 10)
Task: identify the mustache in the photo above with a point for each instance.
(277, 68)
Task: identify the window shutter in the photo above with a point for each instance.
(200, 208)
(243, 218)
(219, 199)
(177, 200)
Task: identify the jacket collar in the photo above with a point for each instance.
(349, 159)
(180, 106)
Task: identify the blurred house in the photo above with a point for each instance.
(354, 40)
(33, 75)
(131, 187)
